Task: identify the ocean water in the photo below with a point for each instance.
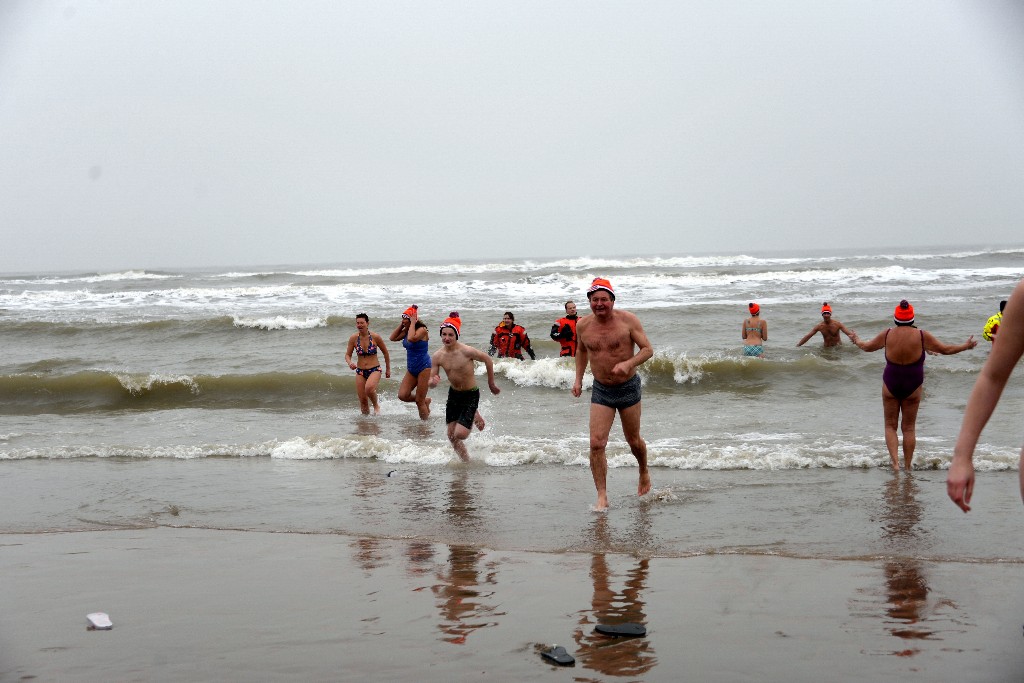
(218, 400)
(249, 362)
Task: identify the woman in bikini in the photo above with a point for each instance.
(903, 379)
(413, 334)
(365, 344)
(754, 332)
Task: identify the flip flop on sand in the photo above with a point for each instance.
(558, 655)
(622, 630)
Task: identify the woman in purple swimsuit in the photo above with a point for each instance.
(365, 344)
(903, 379)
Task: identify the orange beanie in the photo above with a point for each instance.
(904, 313)
(453, 321)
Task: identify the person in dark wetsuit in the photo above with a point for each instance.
(903, 379)
(413, 334)
(365, 345)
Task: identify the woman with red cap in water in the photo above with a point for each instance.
(754, 332)
(903, 379)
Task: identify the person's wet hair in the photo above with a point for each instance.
(363, 316)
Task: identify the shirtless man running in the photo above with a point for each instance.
(829, 329)
(456, 358)
(606, 340)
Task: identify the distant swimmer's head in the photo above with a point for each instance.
(598, 284)
(753, 308)
(452, 322)
(409, 311)
(904, 313)
(826, 310)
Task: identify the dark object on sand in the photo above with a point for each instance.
(558, 655)
(622, 630)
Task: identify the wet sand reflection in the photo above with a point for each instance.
(465, 586)
(608, 655)
(906, 582)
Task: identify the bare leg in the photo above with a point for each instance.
(638, 447)
(422, 400)
(909, 426)
(370, 389)
(405, 389)
(891, 411)
(364, 404)
(457, 435)
(601, 418)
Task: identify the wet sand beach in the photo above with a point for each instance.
(286, 599)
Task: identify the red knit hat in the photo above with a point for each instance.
(904, 313)
(753, 308)
(601, 283)
(409, 311)
(825, 308)
(453, 321)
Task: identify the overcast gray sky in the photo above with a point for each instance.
(194, 133)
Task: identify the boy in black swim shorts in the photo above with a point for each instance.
(458, 361)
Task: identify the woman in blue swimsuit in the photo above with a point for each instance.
(413, 334)
(903, 379)
(365, 344)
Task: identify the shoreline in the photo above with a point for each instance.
(199, 604)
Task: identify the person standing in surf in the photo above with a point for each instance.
(754, 332)
(413, 334)
(457, 361)
(903, 379)
(564, 331)
(606, 340)
(365, 344)
(829, 329)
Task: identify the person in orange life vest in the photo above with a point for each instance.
(564, 330)
(509, 339)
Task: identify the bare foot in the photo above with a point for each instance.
(478, 421)
(602, 503)
(425, 408)
(645, 483)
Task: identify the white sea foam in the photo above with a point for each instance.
(139, 384)
(280, 322)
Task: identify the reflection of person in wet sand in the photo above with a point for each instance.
(460, 595)
(905, 580)
(606, 340)
(608, 655)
